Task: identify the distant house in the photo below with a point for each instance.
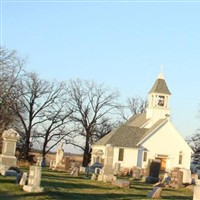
(147, 136)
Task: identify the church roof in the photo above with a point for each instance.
(130, 134)
(160, 86)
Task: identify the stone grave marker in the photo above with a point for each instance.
(121, 183)
(187, 176)
(176, 179)
(67, 163)
(108, 165)
(117, 168)
(59, 155)
(153, 171)
(23, 178)
(155, 193)
(136, 173)
(34, 180)
(75, 171)
(198, 173)
(196, 193)
(8, 158)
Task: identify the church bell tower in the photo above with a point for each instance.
(159, 96)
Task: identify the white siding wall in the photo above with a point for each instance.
(130, 157)
(168, 141)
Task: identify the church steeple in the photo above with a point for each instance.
(158, 107)
(160, 85)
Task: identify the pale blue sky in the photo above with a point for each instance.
(119, 43)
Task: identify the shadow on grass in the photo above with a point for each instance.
(140, 186)
(178, 197)
(72, 185)
(69, 196)
(6, 195)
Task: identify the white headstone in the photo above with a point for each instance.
(59, 155)
(196, 195)
(187, 176)
(8, 158)
(23, 178)
(34, 180)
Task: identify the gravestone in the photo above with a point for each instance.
(94, 176)
(121, 183)
(187, 176)
(23, 178)
(136, 173)
(155, 193)
(59, 155)
(196, 194)
(176, 179)
(153, 171)
(117, 168)
(51, 163)
(67, 163)
(154, 168)
(8, 158)
(75, 171)
(198, 173)
(34, 180)
(108, 165)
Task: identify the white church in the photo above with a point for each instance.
(147, 136)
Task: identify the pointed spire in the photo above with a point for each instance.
(160, 85)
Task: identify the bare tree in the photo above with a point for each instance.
(57, 126)
(41, 111)
(194, 142)
(92, 105)
(10, 71)
(135, 105)
(11, 68)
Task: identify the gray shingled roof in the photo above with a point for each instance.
(137, 120)
(129, 134)
(160, 86)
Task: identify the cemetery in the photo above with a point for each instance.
(66, 179)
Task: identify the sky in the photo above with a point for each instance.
(122, 44)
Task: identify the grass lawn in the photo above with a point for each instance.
(60, 185)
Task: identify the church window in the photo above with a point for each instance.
(121, 154)
(144, 156)
(180, 160)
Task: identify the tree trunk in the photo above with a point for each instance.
(86, 154)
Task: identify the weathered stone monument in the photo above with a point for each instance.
(34, 180)
(8, 158)
(59, 157)
(107, 174)
(176, 179)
